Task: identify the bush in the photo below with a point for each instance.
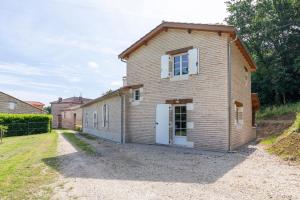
(271, 111)
(25, 124)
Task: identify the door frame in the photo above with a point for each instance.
(183, 138)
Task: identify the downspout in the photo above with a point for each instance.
(229, 89)
(123, 113)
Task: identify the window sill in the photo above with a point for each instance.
(179, 78)
(135, 103)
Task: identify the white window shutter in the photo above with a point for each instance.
(193, 61)
(107, 115)
(103, 118)
(164, 73)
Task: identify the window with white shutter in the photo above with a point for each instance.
(164, 73)
(95, 120)
(105, 115)
(86, 119)
(193, 61)
(239, 114)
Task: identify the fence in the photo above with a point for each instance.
(26, 128)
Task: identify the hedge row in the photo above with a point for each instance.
(25, 124)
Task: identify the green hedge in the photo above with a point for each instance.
(25, 124)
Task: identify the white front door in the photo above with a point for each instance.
(180, 125)
(162, 123)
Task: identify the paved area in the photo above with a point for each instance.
(150, 172)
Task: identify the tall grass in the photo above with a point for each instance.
(271, 111)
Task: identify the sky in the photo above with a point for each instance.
(65, 48)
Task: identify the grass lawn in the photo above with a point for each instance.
(78, 143)
(23, 174)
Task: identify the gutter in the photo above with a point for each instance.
(229, 89)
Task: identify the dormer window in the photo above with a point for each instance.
(181, 64)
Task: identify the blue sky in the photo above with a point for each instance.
(62, 48)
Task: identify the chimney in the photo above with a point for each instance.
(124, 81)
(59, 99)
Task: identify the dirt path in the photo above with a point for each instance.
(133, 171)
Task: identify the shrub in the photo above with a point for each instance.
(271, 111)
(25, 124)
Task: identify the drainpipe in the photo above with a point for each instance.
(229, 89)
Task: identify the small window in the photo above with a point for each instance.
(239, 114)
(11, 105)
(180, 120)
(95, 120)
(136, 95)
(181, 65)
(86, 119)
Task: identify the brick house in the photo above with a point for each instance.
(13, 105)
(187, 85)
(72, 117)
(62, 104)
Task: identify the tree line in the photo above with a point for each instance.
(271, 32)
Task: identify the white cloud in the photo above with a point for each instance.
(31, 96)
(93, 65)
(116, 83)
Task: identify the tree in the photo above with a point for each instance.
(271, 31)
(47, 109)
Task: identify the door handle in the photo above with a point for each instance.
(156, 123)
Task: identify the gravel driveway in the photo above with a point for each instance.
(134, 171)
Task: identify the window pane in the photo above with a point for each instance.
(185, 58)
(177, 132)
(185, 64)
(176, 59)
(183, 109)
(183, 125)
(177, 117)
(176, 69)
(183, 133)
(183, 117)
(177, 109)
(137, 95)
(177, 125)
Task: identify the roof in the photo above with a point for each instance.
(75, 100)
(191, 26)
(72, 108)
(23, 102)
(113, 93)
(35, 103)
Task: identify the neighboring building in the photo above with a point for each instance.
(36, 104)
(72, 117)
(61, 104)
(186, 84)
(10, 104)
